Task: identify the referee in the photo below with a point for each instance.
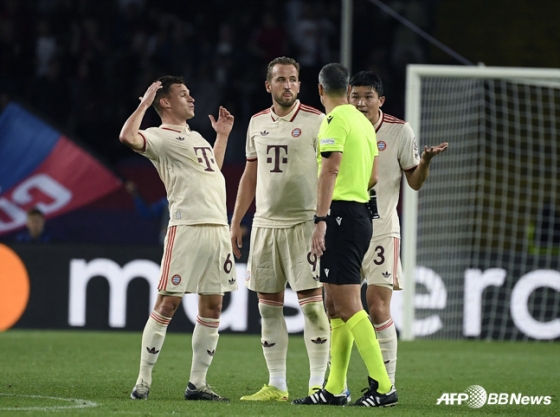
(343, 228)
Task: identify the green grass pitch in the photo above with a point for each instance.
(45, 373)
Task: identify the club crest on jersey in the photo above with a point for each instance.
(296, 132)
(381, 146)
(176, 279)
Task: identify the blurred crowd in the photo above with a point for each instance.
(82, 64)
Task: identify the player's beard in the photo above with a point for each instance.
(280, 100)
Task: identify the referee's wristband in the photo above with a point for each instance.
(317, 219)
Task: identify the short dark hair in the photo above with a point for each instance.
(166, 82)
(35, 212)
(281, 60)
(367, 79)
(334, 78)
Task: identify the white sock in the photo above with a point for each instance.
(316, 332)
(274, 340)
(204, 341)
(387, 337)
(152, 342)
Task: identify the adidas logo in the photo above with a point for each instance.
(319, 341)
(316, 278)
(180, 138)
(327, 272)
(264, 133)
(339, 220)
(153, 350)
(386, 274)
(210, 352)
(267, 345)
(232, 281)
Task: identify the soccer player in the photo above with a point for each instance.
(398, 153)
(281, 173)
(343, 229)
(197, 254)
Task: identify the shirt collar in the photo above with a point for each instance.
(289, 117)
(379, 121)
(176, 128)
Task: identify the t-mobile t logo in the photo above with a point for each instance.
(206, 156)
(276, 155)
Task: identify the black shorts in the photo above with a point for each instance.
(349, 231)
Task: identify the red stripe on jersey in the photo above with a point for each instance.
(145, 143)
(392, 119)
(296, 112)
(310, 109)
(173, 130)
(266, 111)
(167, 260)
(251, 159)
(379, 127)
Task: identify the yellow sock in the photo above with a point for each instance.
(341, 349)
(368, 346)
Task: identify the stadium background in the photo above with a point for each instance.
(80, 66)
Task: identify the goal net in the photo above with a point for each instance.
(483, 234)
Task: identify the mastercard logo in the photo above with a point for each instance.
(14, 287)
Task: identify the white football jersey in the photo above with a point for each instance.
(398, 152)
(285, 149)
(185, 162)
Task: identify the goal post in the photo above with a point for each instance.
(482, 237)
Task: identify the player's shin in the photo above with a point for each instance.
(387, 337)
(204, 341)
(152, 342)
(316, 335)
(274, 340)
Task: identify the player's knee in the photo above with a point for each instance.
(313, 311)
(166, 309)
(166, 306)
(210, 306)
(379, 313)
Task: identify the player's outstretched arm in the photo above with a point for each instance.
(417, 176)
(223, 127)
(129, 135)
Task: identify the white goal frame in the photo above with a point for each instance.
(414, 76)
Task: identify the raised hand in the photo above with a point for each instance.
(224, 124)
(148, 98)
(432, 151)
